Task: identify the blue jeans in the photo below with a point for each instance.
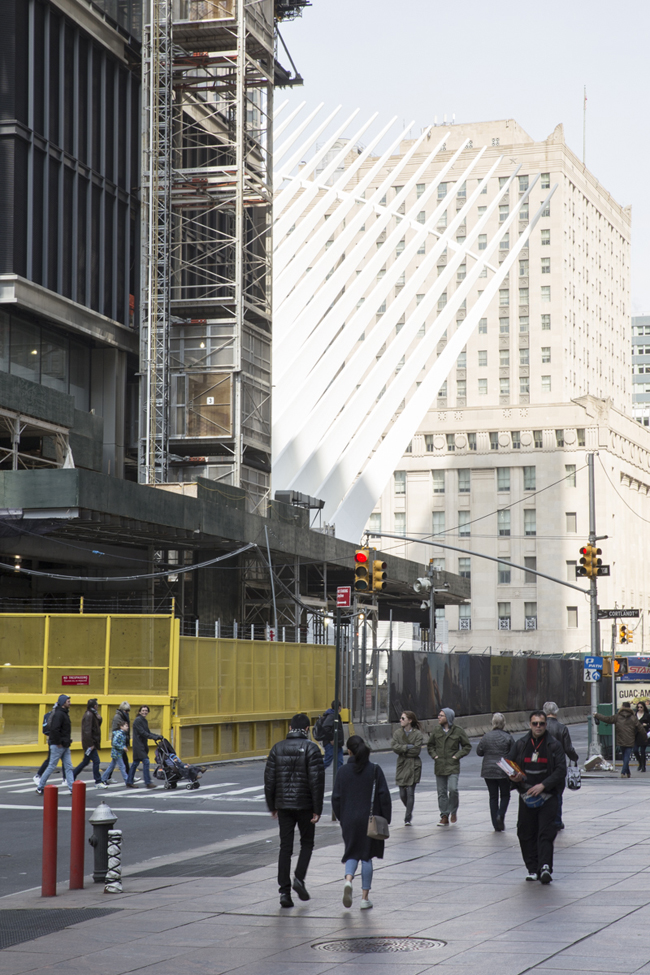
(119, 761)
(94, 758)
(329, 754)
(58, 752)
(447, 793)
(145, 771)
(627, 755)
(366, 872)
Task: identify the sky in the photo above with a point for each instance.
(416, 59)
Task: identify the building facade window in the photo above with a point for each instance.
(465, 568)
(538, 439)
(471, 441)
(504, 574)
(464, 480)
(503, 522)
(482, 326)
(582, 438)
(482, 242)
(428, 442)
(482, 358)
(438, 522)
(438, 482)
(546, 323)
(572, 617)
(546, 292)
(530, 562)
(524, 386)
(571, 522)
(559, 438)
(571, 567)
(546, 384)
(570, 471)
(504, 615)
(503, 478)
(374, 523)
(530, 521)
(482, 387)
(530, 478)
(399, 522)
(546, 265)
(399, 480)
(494, 440)
(465, 616)
(515, 439)
(464, 518)
(530, 616)
(546, 354)
(451, 442)
(504, 387)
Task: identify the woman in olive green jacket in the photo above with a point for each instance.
(407, 742)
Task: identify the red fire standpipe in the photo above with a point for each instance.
(50, 816)
(77, 831)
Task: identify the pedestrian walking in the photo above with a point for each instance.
(627, 726)
(46, 723)
(294, 783)
(407, 742)
(561, 732)
(122, 714)
(360, 791)
(141, 737)
(91, 739)
(60, 741)
(542, 763)
(494, 745)
(329, 718)
(643, 716)
(447, 744)
(118, 739)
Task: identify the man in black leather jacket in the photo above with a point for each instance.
(560, 731)
(294, 783)
(541, 780)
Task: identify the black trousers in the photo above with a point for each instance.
(407, 795)
(288, 819)
(536, 831)
(499, 790)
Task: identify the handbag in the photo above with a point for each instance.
(573, 777)
(377, 825)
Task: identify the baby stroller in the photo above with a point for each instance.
(171, 770)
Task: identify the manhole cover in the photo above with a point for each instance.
(364, 946)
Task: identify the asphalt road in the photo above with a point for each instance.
(229, 804)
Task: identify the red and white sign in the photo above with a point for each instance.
(68, 680)
(343, 595)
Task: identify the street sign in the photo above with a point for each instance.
(343, 595)
(603, 570)
(594, 663)
(612, 614)
(592, 676)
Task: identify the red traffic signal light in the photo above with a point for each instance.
(361, 574)
(361, 556)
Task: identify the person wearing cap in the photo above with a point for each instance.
(123, 714)
(91, 739)
(448, 743)
(60, 741)
(627, 726)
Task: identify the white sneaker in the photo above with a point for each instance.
(36, 779)
(347, 894)
(365, 905)
(102, 785)
(532, 876)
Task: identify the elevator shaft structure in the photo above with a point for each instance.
(206, 243)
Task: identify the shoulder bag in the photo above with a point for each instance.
(573, 777)
(377, 825)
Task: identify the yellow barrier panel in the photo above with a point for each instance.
(215, 699)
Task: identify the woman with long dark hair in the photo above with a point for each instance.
(359, 791)
(641, 742)
(407, 742)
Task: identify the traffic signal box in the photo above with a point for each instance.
(625, 634)
(620, 666)
(590, 563)
(361, 570)
(378, 575)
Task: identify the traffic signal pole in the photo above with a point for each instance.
(594, 748)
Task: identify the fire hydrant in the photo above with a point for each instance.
(102, 819)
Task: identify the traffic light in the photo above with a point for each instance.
(378, 575)
(620, 666)
(622, 633)
(361, 575)
(589, 561)
(630, 635)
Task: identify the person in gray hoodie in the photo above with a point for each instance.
(494, 745)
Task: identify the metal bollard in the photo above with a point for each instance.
(114, 874)
(50, 819)
(102, 819)
(77, 830)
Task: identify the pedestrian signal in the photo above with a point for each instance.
(620, 666)
(378, 575)
(622, 633)
(361, 575)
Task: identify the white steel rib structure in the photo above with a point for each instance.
(357, 361)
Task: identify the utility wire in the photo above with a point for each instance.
(613, 486)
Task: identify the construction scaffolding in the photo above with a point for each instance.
(208, 76)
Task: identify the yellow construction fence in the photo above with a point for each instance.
(215, 699)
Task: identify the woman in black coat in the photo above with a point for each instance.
(141, 737)
(351, 802)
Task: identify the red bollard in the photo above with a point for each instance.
(50, 816)
(77, 835)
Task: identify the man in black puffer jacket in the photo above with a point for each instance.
(294, 783)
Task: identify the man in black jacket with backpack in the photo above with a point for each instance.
(539, 783)
(60, 734)
(294, 783)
